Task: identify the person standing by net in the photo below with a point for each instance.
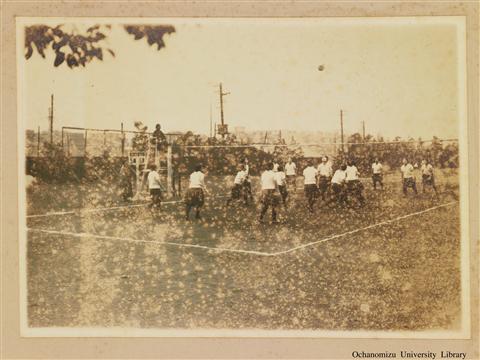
(126, 186)
(269, 195)
(377, 174)
(354, 185)
(338, 186)
(291, 173)
(310, 184)
(155, 187)
(325, 173)
(281, 180)
(195, 195)
(238, 189)
(408, 178)
(247, 183)
(428, 178)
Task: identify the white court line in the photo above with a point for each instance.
(259, 253)
(361, 229)
(79, 211)
(83, 210)
(87, 235)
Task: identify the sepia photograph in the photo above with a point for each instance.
(302, 177)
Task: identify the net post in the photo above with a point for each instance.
(123, 141)
(38, 142)
(85, 143)
(170, 178)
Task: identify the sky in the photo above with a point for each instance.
(399, 76)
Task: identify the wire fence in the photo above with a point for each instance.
(80, 142)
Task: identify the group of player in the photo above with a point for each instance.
(277, 181)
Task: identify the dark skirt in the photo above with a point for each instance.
(236, 191)
(323, 183)
(270, 197)
(354, 186)
(311, 190)
(428, 179)
(194, 197)
(409, 182)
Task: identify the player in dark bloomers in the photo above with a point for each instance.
(195, 195)
(269, 197)
(310, 184)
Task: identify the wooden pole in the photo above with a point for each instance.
(51, 119)
(221, 105)
(123, 140)
(62, 139)
(170, 179)
(68, 145)
(222, 94)
(38, 142)
(363, 130)
(341, 132)
(85, 144)
(334, 145)
(211, 120)
(179, 184)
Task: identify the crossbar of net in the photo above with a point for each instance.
(318, 144)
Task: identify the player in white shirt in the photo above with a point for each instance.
(310, 184)
(281, 180)
(338, 186)
(155, 187)
(325, 173)
(247, 184)
(377, 174)
(291, 173)
(195, 197)
(408, 178)
(269, 196)
(427, 176)
(354, 185)
(238, 188)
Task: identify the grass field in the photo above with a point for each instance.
(132, 267)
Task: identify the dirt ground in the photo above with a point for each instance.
(403, 275)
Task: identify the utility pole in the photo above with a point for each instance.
(38, 142)
(85, 143)
(51, 119)
(123, 139)
(222, 94)
(68, 145)
(341, 131)
(363, 130)
(211, 120)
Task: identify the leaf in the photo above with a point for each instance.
(40, 48)
(71, 61)
(92, 28)
(99, 36)
(59, 58)
(29, 52)
(99, 54)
